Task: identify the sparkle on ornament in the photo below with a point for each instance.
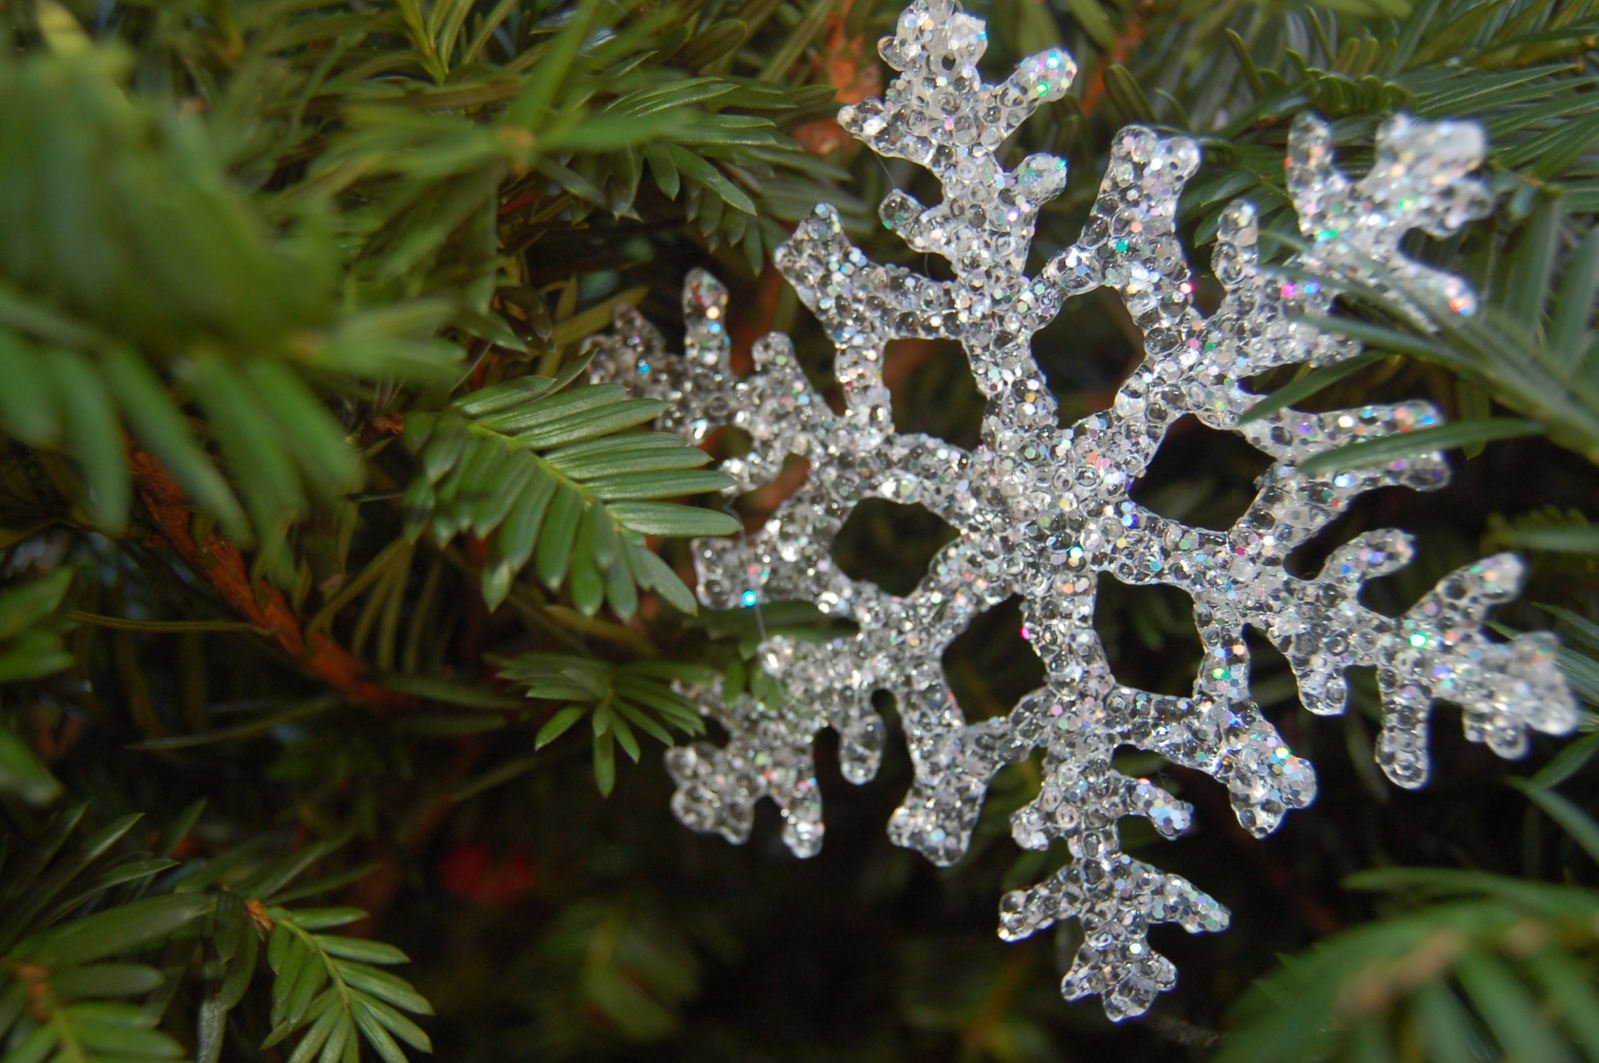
(1042, 510)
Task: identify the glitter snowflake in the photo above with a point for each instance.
(1043, 511)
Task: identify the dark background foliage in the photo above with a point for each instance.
(263, 262)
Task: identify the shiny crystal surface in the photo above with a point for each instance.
(1042, 510)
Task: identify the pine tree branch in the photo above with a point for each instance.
(222, 565)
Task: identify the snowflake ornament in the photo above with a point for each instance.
(1043, 511)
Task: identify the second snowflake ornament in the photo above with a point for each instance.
(1043, 511)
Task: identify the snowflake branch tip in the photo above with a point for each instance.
(1438, 651)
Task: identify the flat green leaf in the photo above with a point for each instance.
(28, 405)
(654, 574)
(250, 441)
(587, 582)
(677, 710)
(682, 92)
(1533, 263)
(445, 445)
(33, 655)
(624, 735)
(801, 36)
(159, 426)
(385, 986)
(26, 604)
(590, 424)
(326, 1015)
(23, 870)
(713, 179)
(622, 456)
(34, 1048)
(519, 532)
(1572, 758)
(658, 485)
(1569, 332)
(240, 973)
(327, 918)
(558, 725)
(1420, 441)
(341, 1046)
(362, 949)
(562, 688)
(606, 132)
(1562, 538)
(533, 415)
(620, 590)
(1566, 982)
(605, 763)
(1091, 19)
(502, 396)
(398, 1024)
(103, 980)
(93, 434)
(513, 476)
(1509, 1009)
(299, 989)
(118, 1032)
(376, 1035)
(644, 722)
(663, 169)
(305, 426)
(541, 88)
(665, 518)
(119, 931)
(1584, 830)
(276, 878)
(555, 541)
(21, 772)
(1450, 1031)
(1312, 382)
(687, 671)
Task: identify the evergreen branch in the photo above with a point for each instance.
(555, 481)
(31, 647)
(30, 638)
(1358, 987)
(328, 989)
(222, 565)
(1490, 962)
(633, 969)
(65, 983)
(325, 987)
(65, 977)
(615, 697)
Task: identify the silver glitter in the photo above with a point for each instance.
(1041, 510)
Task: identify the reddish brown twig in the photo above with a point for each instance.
(1120, 49)
(847, 64)
(222, 565)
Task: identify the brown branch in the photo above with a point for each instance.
(846, 64)
(1119, 50)
(222, 565)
